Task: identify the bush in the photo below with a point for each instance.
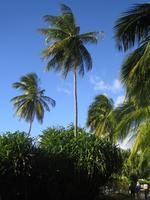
(91, 160)
(58, 166)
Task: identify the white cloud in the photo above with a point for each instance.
(116, 85)
(103, 86)
(64, 90)
(119, 100)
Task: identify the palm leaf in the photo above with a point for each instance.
(133, 26)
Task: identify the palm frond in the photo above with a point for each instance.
(53, 34)
(135, 75)
(133, 26)
(56, 62)
(90, 37)
(39, 111)
(66, 10)
(129, 118)
(86, 57)
(130, 62)
(19, 85)
(49, 100)
(56, 47)
(67, 66)
(69, 18)
(56, 22)
(142, 140)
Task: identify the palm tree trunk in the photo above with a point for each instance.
(30, 126)
(75, 104)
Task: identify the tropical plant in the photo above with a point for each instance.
(16, 152)
(66, 49)
(100, 116)
(132, 30)
(88, 150)
(32, 102)
(90, 160)
(133, 122)
(56, 166)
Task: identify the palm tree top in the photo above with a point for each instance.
(99, 116)
(27, 83)
(66, 50)
(33, 101)
(133, 26)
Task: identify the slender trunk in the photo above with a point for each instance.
(75, 104)
(30, 126)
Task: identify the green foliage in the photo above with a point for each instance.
(129, 118)
(15, 154)
(135, 75)
(88, 151)
(66, 50)
(100, 117)
(57, 166)
(133, 122)
(132, 30)
(133, 26)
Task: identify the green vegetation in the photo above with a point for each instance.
(132, 30)
(99, 117)
(57, 166)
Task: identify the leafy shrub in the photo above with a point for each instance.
(91, 160)
(58, 166)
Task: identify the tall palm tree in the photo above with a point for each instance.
(100, 117)
(132, 29)
(66, 49)
(32, 102)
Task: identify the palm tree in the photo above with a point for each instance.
(66, 49)
(100, 118)
(134, 123)
(32, 102)
(132, 30)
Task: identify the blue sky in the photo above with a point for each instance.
(20, 53)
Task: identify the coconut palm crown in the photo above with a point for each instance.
(66, 49)
(32, 102)
(132, 29)
(100, 118)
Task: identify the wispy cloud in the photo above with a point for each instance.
(65, 88)
(119, 100)
(99, 84)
